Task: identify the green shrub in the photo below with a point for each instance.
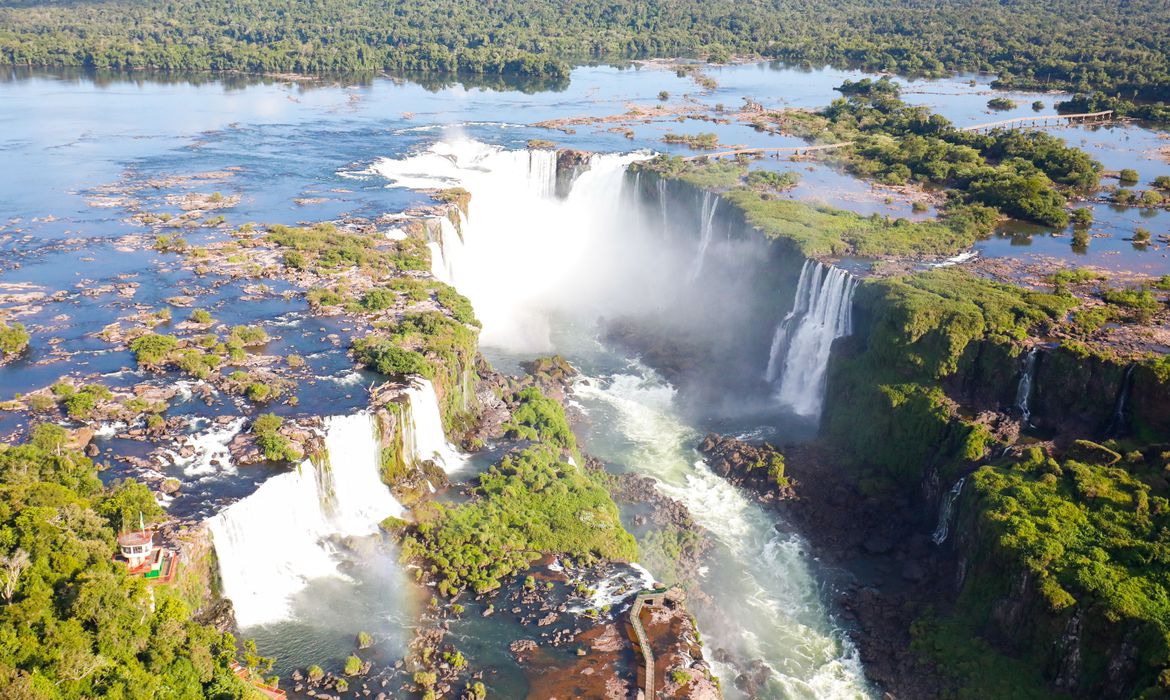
(530, 503)
(248, 336)
(324, 297)
(1128, 176)
(201, 316)
(1082, 217)
(13, 339)
(539, 418)
(152, 350)
(386, 357)
(353, 665)
(274, 446)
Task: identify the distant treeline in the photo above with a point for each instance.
(1122, 48)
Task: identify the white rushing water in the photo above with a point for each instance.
(706, 225)
(520, 243)
(422, 435)
(528, 259)
(766, 601)
(821, 312)
(271, 544)
(945, 512)
(1024, 389)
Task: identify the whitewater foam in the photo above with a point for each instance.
(271, 544)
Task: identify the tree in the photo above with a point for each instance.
(11, 566)
(152, 350)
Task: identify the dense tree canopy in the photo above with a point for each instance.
(1121, 48)
(72, 624)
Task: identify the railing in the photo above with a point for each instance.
(1042, 120)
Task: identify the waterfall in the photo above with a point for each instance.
(422, 431)
(1024, 390)
(661, 184)
(1117, 423)
(821, 312)
(946, 509)
(446, 245)
(706, 224)
(521, 243)
(783, 335)
(272, 543)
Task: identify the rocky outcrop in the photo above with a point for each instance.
(570, 165)
(758, 467)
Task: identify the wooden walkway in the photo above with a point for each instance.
(1037, 122)
(790, 150)
(1041, 121)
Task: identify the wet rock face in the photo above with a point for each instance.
(570, 164)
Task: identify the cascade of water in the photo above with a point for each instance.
(1024, 390)
(783, 334)
(272, 543)
(661, 184)
(427, 441)
(519, 238)
(706, 224)
(946, 509)
(768, 604)
(542, 172)
(821, 313)
(1117, 423)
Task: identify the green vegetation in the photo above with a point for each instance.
(1017, 172)
(201, 316)
(1128, 176)
(531, 503)
(385, 356)
(429, 344)
(540, 419)
(819, 230)
(889, 409)
(73, 625)
(353, 665)
(768, 180)
(152, 350)
(1000, 103)
(1070, 44)
(1099, 102)
(1089, 531)
(80, 404)
(1081, 218)
(13, 339)
(324, 249)
(706, 141)
(822, 230)
(274, 446)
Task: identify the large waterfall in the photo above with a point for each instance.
(422, 431)
(821, 312)
(272, 543)
(521, 245)
(540, 269)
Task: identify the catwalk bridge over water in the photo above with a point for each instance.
(1035, 122)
